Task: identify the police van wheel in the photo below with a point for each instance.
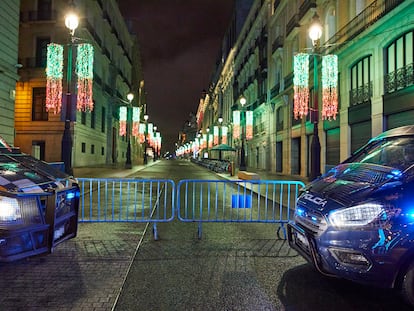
(407, 288)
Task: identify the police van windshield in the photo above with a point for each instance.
(396, 152)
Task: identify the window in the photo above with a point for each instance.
(83, 147)
(102, 150)
(103, 118)
(361, 84)
(92, 149)
(83, 117)
(399, 62)
(41, 51)
(39, 112)
(93, 117)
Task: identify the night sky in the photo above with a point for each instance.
(180, 41)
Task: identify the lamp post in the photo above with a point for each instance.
(220, 121)
(155, 145)
(315, 33)
(128, 163)
(71, 22)
(145, 139)
(242, 166)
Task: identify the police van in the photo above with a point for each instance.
(357, 221)
(38, 205)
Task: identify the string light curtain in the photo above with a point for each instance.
(301, 85)
(135, 121)
(224, 132)
(84, 69)
(329, 86)
(236, 124)
(122, 120)
(249, 125)
(54, 77)
(151, 134)
(204, 141)
(210, 140)
(141, 133)
(216, 135)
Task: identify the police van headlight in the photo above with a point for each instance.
(356, 216)
(14, 211)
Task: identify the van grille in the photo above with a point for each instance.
(313, 221)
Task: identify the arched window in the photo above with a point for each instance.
(361, 84)
(399, 63)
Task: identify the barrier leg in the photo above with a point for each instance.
(155, 231)
(199, 231)
(281, 226)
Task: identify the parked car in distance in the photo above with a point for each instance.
(38, 205)
(357, 221)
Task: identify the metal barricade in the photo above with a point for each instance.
(264, 201)
(126, 200)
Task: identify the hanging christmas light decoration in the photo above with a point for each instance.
(301, 85)
(151, 134)
(210, 141)
(249, 125)
(84, 70)
(135, 121)
(54, 77)
(216, 135)
(141, 133)
(329, 86)
(204, 141)
(236, 124)
(122, 120)
(224, 132)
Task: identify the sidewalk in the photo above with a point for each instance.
(119, 171)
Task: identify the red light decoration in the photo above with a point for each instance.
(301, 85)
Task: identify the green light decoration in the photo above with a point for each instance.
(135, 121)
(224, 132)
(84, 70)
(236, 124)
(122, 120)
(151, 134)
(329, 86)
(210, 140)
(204, 141)
(54, 77)
(249, 124)
(301, 85)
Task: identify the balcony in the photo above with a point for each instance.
(359, 23)
(292, 24)
(305, 7)
(361, 94)
(399, 79)
(277, 44)
(37, 16)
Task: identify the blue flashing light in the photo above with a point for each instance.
(300, 211)
(314, 219)
(70, 195)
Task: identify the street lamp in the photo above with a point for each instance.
(155, 144)
(128, 162)
(242, 166)
(71, 22)
(315, 33)
(145, 138)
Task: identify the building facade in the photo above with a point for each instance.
(373, 40)
(9, 35)
(116, 72)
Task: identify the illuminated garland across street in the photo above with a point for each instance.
(84, 69)
(301, 85)
(54, 77)
(329, 86)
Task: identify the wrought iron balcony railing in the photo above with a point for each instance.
(399, 79)
(360, 94)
